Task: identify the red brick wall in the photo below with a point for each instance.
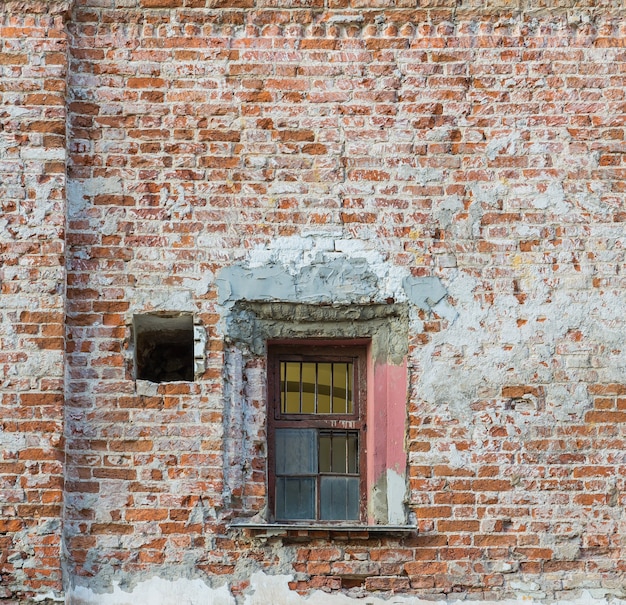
(33, 62)
(481, 145)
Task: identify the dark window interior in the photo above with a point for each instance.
(164, 348)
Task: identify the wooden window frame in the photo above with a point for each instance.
(310, 350)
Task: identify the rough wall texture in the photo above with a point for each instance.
(463, 159)
(33, 63)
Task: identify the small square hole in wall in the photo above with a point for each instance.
(164, 347)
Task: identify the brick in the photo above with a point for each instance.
(13, 59)
(110, 529)
(418, 568)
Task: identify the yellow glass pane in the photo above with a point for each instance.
(282, 387)
(308, 388)
(349, 398)
(324, 385)
(292, 387)
(340, 385)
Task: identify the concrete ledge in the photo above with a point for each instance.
(317, 530)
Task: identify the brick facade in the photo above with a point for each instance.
(33, 71)
(461, 162)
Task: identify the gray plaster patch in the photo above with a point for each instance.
(260, 284)
(340, 281)
(323, 271)
(424, 292)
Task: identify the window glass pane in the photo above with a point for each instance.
(349, 397)
(295, 498)
(324, 384)
(296, 451)
(316, 388)
(339, 498)
(338, 453)
(340, 388)
(308, 388)
(325, 441)
(290, 396)
(353, 453)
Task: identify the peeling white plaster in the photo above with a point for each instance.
(553, 197)
(12, 442)
(155, 591)
(420, 175)
(78, 192)
(42, 363)
(445, 208)
(175, 203)
(149, 299)
(49, 596)
(199, 286)
(591, 201)
(506, 144)
(43, 153)
(274, 590)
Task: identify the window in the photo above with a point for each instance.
(316, 424)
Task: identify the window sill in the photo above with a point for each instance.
(320, 530)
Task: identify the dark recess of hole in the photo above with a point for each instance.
(355, 581)
(165, 355)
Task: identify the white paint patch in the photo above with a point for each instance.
(155, 591)
(396, 494)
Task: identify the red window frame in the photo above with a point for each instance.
(309, 350)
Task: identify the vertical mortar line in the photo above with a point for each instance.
(64, 555)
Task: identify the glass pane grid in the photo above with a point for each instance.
(308, 387)
(338, 453)
(317, 474)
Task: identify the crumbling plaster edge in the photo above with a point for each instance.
(265, 589)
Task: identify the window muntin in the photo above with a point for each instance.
(309, 387)
(316, 440)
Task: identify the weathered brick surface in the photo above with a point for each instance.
(32, 280)
(481, 143)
